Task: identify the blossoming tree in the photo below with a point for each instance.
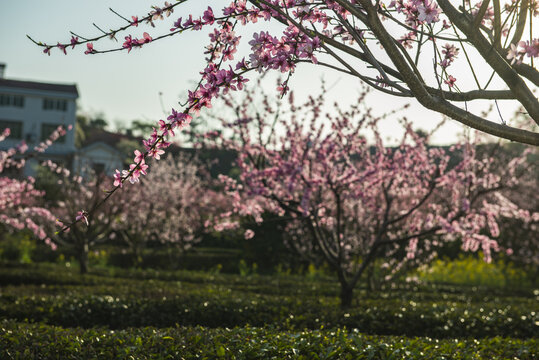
(171, 206)
(419, 39)
(352, 202)
(346, 36)
(519, 237)
(79, 194)
(21, 204)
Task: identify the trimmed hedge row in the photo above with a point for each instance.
(120, 298)
(54, 274)
(33, 341)
(228, 309)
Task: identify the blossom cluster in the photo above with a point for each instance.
(346, 196)
(417, 12)
(20, 202)
(309, 29)
(517, 52)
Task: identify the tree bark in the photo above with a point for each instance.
(83, 258)
(347, 295)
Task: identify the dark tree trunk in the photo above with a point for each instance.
(83, 258)
(370, 279)
(347, 295)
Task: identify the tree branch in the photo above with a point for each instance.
(494, 59)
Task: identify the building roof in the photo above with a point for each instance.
(99, 144)
(107, 137)
(33, 85)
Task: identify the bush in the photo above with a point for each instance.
(121, 299)
(24, 341)
(439, 319)
(172, 259)
(470, 270)
(18, 246)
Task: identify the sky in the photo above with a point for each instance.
(125, 87)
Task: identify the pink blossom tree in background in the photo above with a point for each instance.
(75, 195)
(406, 48)
(21, 204)
(171, 206)
(518, 236)
(352, 202)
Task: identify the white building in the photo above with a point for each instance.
(100, 157)
(32, 111)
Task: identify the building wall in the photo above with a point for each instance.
(99, 157)
(36, 120)
(33, 116)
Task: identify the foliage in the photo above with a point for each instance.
(469, 270)
(160, 299)
(17, 246)
(37, 341)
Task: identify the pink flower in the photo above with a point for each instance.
(74, 41)
(450, 81)
(135, 21)
(146, 38)
(168, 8)
(118, 178)
(428, 12)
(514, 55)
(82, 215)
(139, 157)
(165, 128)
(177, 24)
(249, 234)
(89, 49)
(156, 153)
(137, 171)
(450, 52)
(128, 44)
(62, 48)
(283, 89)
(208, 17)
(531, 50)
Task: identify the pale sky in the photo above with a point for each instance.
(125, 86)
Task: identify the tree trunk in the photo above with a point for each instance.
(370, 279)
(83, 258)
(347, 294)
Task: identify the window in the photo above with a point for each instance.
(14, 126)
(11, 100)
(55, 104)
(47, 130)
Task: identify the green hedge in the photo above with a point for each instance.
(120, 298)
(473, 270)
(33, 341)
(390, 317)
(55, 274)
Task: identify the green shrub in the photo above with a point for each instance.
(436, 319)
(471, 270)
(171, 259)
(119, 298)
(34, 341)
(17, 246)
